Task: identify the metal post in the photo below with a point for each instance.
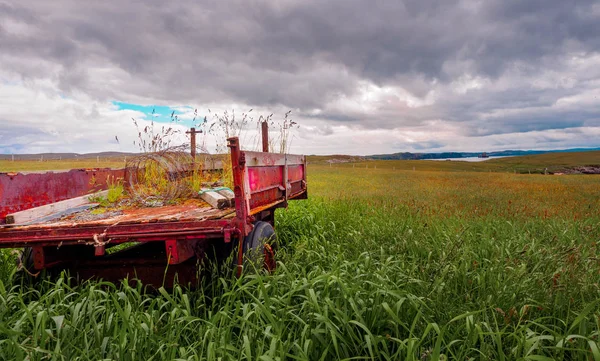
(242, 205)
(192, 134)
(265, 136)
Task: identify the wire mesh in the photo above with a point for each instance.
(160, 178)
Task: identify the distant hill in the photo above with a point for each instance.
(336, 158)
(455, 155)
(313, 158)
(64, 156)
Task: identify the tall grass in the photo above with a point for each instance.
(363, 274)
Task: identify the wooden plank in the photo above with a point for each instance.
(33, 214)
(56, 216)
(214, 199)
(227, 193)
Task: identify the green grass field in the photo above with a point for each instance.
(380, 263)
(35, 165)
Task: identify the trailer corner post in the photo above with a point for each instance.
(242, 204)
(265, 136)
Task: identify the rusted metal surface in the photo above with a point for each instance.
(139, 225)
(19, 191)
(267, 185)
(242, 196)
(261, 178)
(260, 159)
(268, 206)
(39, 259)
(179, 251)
(296, 173)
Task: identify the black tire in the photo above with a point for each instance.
(258, 248)
(26, 259)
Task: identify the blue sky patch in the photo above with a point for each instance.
(160, 113)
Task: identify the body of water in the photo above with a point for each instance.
(471, 159)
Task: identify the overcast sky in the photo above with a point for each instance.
(361, 77)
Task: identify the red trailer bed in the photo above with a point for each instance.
(174, 235)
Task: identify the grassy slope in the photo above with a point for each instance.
(551, 160)
(378, 264)
(34, 165)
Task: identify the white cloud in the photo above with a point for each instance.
(41, 120)
(361, 78)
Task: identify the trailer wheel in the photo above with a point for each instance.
(259, 248)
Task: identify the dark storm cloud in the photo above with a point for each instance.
(305, 55)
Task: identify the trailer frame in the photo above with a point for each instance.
(262, 182)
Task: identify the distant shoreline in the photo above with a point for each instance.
(472, 159)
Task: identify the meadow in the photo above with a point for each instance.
(380, 263)
(55, 164)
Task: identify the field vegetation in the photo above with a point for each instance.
(84, 163)
(380, 263)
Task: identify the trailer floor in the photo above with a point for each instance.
(191, 211)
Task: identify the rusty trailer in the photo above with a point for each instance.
(169, 240)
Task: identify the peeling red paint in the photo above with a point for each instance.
(24, 191)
